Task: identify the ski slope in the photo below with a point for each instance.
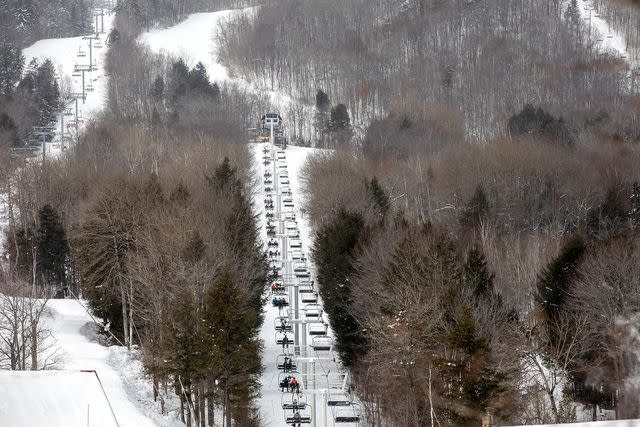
(121, 375)
(196, 40)
(63, 52)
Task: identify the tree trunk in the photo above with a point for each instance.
(210, 405)
(125, 317)
(594, 412)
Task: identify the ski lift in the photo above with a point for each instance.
(280, 338)
(81, 53)
(268, 181)
(281, 325)
(309, 298)
(338, 399)
(318, 330)
(305, 288)
(285, 358)
(293, 402)
(313, 311)
(280, 301)
(322, 343)
(76, 74)
(347, 414)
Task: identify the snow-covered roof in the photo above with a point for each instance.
(53, 398)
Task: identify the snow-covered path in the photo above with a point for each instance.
(121, 376)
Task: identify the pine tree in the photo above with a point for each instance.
(178, 80)
(157, 89)
(236, 346)
(11, 66)
(339, 118)
(478, 276)
(573, 20)
(224, 177)
(379, 197)
(323, 103)
(46, 92)
(555, 283)
(476, 210)
(333, 248)
(53, 248)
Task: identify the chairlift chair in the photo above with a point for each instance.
(313, 311)
(282, 327)
(280, 337)
(292, 402)
(318, 330)
(322, 343)
(309, 298)
(346, 415)
(280, 359)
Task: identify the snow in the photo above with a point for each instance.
(63, 52)
(128, 391)
(201, 31)
(609, 40)
(54, 399)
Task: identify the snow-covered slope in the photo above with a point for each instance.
(128, 391)
(64, 53)
(55, 399)
(195, 40)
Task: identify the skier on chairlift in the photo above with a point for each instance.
(285, 342)
(297, 419)
(273, 288)
(294, 385)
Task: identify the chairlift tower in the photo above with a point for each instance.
(91, 38)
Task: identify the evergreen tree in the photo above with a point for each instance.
(46, 92)
(199, 79)
(113, 37)
(478, 276)
(53, 248)
(224, 176)
(339, 118)
(157, 89)
(236, 346)
(333, 248)
(476, 210)
(323, 103)
(470, 380)
(573, 20)
(555, 283)
(11, 66)
(379, 196)
(179, 80)
(180, 194)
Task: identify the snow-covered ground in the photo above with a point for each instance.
(195, 40)
(55, 398)
(66, 53)
(128, 391)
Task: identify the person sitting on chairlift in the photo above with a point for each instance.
(297, 419)
(273, 288)
(285, 342)
(294, 385)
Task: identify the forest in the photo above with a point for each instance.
(475, 205)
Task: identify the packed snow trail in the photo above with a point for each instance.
(121, 376)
